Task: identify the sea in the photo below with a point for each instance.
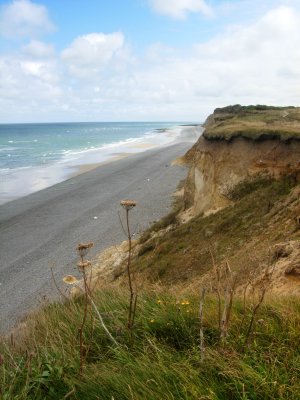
(34, 156)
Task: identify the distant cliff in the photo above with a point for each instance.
(237, 143)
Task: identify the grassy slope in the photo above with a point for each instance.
(163, 362)
(254, 122)
(241, 234)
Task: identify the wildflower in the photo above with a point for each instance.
(83, 248)
(185, 303)
(152, 321)
(159, 302)
(82, 266)
(128, 204)
(70, 279)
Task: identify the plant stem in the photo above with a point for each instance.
(100, 318)
(202, 347)
(83, 322)
(131, 301)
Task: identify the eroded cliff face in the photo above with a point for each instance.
(217, 166)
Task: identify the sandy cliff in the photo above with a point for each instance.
(260, 228)
(217, 164)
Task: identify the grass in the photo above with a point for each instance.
(164, 362)
(236, 233)
(161, 358)
(254, 122)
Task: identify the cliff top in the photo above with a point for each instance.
(253, 122)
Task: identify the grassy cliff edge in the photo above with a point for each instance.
(253, 122)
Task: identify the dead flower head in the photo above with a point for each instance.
(128, 204)
(70, 279)
(82, 266)
(83, 248)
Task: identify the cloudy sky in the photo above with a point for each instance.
(145, 60)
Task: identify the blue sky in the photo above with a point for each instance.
(98, 60)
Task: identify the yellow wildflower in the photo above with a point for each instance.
(185, 302)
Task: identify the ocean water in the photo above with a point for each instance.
(35, 156)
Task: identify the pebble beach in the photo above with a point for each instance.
(39, 232)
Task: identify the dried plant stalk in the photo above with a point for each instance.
(218, 288)
(128, 205)
(100, 318)
(83, 265)
(202, 343)
(264, 284)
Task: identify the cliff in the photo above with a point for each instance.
(239, 143)
(240, 204)
(253, 122)
(240, 338)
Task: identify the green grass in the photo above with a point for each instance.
(184, 252)
(254, 122)
(163, 362)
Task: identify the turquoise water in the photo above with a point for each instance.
(25, 145)
(36, 156)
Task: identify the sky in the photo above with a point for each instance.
(145, 60)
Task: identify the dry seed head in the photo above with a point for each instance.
(70, 279)
(128, 204)
(82, 266)
(83, 248)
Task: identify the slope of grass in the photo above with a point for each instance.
(237, 233)
(254, 122)
(163, 361)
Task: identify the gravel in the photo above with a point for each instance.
(42, 230)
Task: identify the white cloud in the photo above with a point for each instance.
(24, 18)
(37, 49)
(250, 64)
(179, 9)
(257, 63)
(88, 54)
(27, 88)
(250, 60)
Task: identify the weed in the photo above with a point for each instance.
(128, 205)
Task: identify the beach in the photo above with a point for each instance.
(41, 231)
(36, 156)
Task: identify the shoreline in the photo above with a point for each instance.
(82, 169)
(22, 182)
(42, 230)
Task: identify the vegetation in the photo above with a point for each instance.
(164, 361)
(241, 234)
(190, 341)
(254, 122)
